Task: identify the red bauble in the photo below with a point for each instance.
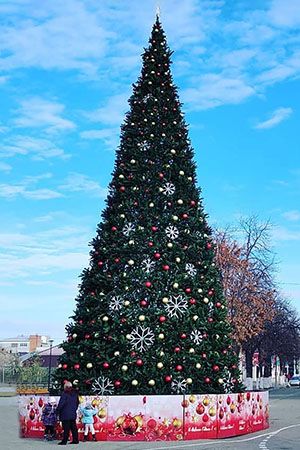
(162, 319)
(156, 255)
(210, 319)
(139, 362)
(148, 284)
(224, 352)
(122, 189)
(143, 303)
(200, 409)
(161, 175)
(207, 380)
(185, 403)
(192, 301)
(204, 355)
(117, 260)
(76, 366)
(132, 353)
(179, 368)
(188, 290)
(177, 349)
(185, 216)
(123, 320)
(168, 378)
(211, 292)
(113, 228)
(100, 263)
(208, 245)
(87, 336)
(154, 228)
(233, 366)
(216, 368)
(135, 203)
(80, 322)
(105, 365)
(65, 366)
(205, 418)
(117, 383)
(166, 267)
(192, 203)
(218, 305)
(150, 244)
(183, 336)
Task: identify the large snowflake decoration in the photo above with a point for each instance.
(128, 228)
(103, 386)
(142, 338)
(178, 386)
(115, 303)
(190, 268)
(168, 189)
(196, 337)
(172, 232)
(148, 265)
(176, 306)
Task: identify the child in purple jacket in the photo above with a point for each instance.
(49, 418)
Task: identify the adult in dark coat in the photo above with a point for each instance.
(66, 409)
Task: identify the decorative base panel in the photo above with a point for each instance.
(159, 417)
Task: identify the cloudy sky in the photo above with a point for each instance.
(66, 70)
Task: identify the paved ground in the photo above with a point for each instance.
(284, 433)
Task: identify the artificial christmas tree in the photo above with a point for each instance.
(151, 315)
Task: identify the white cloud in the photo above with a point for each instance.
(215, 90)
(11, 191)
(54, 35)
(40, 113)
(77, 182)
(278, 116)
(285, 13)
(113, 112)
(37, 148)
(293, 215)
(110, 136)
(5, 167)
(284, 234)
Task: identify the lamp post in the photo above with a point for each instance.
(50, 357)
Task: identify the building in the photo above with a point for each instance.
(21, 345)
(44, 356)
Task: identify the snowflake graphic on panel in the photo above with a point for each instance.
(116, 303)
(196, 337)
(172, 232)
(103, 386)
(176, 305)
(179, 386)
(190, 268)
(142, 338)
(128, 228)
(168, 189)
(148, 265)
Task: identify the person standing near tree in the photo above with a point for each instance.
(66, 410)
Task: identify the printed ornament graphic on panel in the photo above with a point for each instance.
(150, 315)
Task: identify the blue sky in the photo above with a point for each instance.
(66, 70)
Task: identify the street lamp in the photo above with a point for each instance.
(50, 358)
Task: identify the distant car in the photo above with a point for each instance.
(295, 380)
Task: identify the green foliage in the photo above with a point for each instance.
(151, 315)
(32, 373)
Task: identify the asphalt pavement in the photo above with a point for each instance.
(283, 434)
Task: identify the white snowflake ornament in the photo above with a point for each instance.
(103, 386)
(148, 265)
(172, 232)
(176, 306)
(116, 303)
(128, 228)
(141, 338)
(190, 268)
(168, 189)
(196, 337)
(178, 386)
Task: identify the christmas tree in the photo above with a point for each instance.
(151, 315)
